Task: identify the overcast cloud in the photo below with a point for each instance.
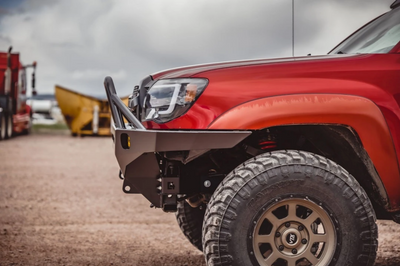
(77, 43)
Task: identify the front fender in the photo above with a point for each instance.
(359, 113)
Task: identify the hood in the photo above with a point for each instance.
(189, 71)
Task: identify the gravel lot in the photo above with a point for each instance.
(61, 203)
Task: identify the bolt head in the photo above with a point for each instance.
(207, 183)
(304, 241)
(287, 224)
(281, 247)
(301, 228)
(277, 234)
(294, 251)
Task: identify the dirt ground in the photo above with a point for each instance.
(61, 203)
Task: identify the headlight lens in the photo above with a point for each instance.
(168, 99)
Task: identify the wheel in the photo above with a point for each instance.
(2, 126)
(290, 208)
(190, 220)
(9, 126)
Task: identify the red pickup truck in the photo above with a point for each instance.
(272, 162)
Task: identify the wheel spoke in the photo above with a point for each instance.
(310, 219)
(272, 219)
(291, 261)
(264, 239)
(272, 258)
(310, 257)
(318, 238)
(292, 211)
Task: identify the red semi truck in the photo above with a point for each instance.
(15, 114)
(281, 162)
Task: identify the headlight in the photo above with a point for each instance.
(168, 99)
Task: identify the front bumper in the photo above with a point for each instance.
(136, 149)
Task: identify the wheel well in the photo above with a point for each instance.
(338, 143)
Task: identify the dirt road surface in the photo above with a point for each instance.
(61, 203)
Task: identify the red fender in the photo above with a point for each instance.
(357, 112)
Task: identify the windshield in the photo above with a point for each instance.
(377, 37)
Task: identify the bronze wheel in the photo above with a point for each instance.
(294, 231)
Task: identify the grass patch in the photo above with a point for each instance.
(57, 129)
(58, 126)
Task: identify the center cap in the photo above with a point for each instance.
(291, 238)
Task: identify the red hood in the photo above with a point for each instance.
(189, 71)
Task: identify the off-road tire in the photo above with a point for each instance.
(190, 220)
(273, 177)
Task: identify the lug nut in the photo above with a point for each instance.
(304, 241)
(301, 228)
(294, 251)
(277, 234)
(281, 247)
(287, 224)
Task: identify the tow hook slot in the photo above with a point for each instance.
(169, 187)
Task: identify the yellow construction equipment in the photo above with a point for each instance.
(84, 115)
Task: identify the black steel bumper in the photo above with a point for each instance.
(136, 147)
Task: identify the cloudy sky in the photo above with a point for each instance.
(77, 43)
